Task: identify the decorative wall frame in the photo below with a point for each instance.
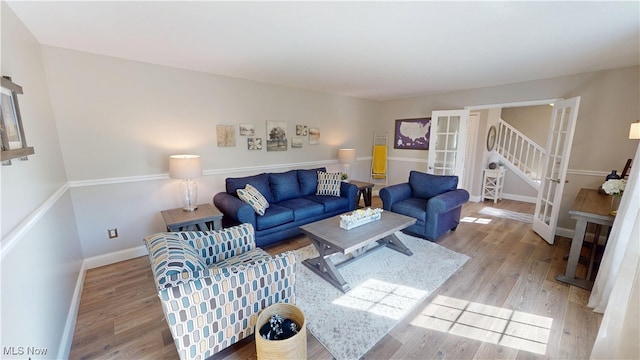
(302, 130)
(277, 136)
(247, 130)
(254, 143)
(314, 136)
(296, 142)
(412, 134)
(13, 140)
(226, 135)
(491, 138)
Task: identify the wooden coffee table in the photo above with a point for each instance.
(329, 238)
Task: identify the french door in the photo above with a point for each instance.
(447, 143)
(554, 175)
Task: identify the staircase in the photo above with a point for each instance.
(521, 154)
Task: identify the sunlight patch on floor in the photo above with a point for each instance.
(382, 298)
(471, 219)
(492, 324)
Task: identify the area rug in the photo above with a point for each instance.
(507, 214)
(385, 286)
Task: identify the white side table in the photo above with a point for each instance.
(492, 183)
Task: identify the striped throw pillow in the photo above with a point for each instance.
(252, 196)
(329, 183)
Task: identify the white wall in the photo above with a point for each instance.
(41, 257)
(608, 106)
(122, 119)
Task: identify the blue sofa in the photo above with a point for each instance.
(434, 200)
(292, 202)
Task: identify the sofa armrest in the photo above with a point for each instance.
(349, 191)
(235, 209)
(447, 201)
(200, 322)
(394, 193)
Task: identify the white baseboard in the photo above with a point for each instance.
(527, 199)
(72, 316)
(114, 257)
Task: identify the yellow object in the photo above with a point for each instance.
(379, 161)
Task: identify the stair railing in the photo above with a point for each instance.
(521, 152)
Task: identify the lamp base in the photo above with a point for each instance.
(189, 194)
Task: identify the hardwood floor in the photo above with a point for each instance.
(509, 279)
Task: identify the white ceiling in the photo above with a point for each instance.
(374, 50)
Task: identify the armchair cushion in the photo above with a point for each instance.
(427, 186)
(252, 196)
(171, 256)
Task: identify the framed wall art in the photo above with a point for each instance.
(226, 135)
(314, 136)
(13, 140)
(277, 136)
(296, 142)
(254, 143)
(412, 134)
(302, 130)
(247, 130)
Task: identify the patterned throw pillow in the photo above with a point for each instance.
(252, 196)
(329, 183)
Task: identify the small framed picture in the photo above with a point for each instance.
(296, 142)
(226, 135)
(277, 136)
(314, 136)
(254, 143)
(247, 130)
(302, 130)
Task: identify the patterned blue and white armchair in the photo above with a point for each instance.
(213, 284)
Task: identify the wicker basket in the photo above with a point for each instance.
(294, 347)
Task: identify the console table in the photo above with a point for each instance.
(180, 220)
(589, 207)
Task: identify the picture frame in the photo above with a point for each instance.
(247, 130)
(296, 142)
(13, 141)
(314, 136)
(412, 133)
(254, 143)
(491, 138)
(277, 136)
(226, 135)
(302, 130)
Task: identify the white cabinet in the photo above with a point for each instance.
(492, 183)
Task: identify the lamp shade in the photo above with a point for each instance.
(634, 131)
(184, 166)
(346, 156)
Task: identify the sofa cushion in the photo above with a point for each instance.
(303, 208)
(427, 186)
(260, 182)
(328, 183)
(308, 180)
(274, 216)
(413, 207)
(331, 203)
(252, 196)
(284, 186)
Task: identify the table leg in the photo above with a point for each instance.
(323, 266)
(574, 256)
(367, 197)
(393, 242)
(217, 224)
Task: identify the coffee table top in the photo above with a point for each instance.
(347, 241)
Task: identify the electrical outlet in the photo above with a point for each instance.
(113, 233)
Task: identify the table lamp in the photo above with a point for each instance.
(186, 168)
(346, 157)
(634, 131)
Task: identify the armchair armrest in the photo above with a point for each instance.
(234, 208)
(447, 201)
(394, 193)
(200, 322)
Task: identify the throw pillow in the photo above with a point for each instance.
(253, 197)
(329, 183)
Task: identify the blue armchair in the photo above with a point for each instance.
(433, 200)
